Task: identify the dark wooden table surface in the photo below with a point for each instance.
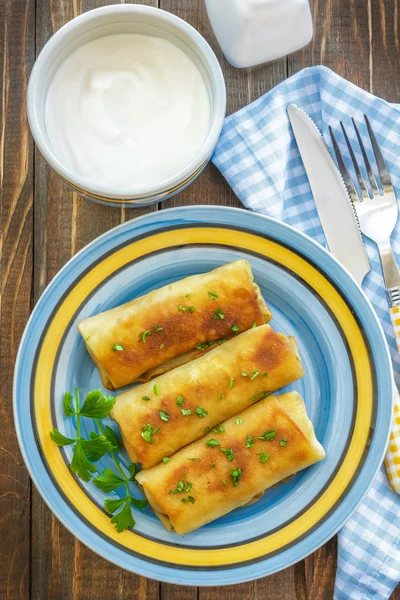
(43, 224)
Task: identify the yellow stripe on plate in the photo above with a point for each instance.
(181, 555)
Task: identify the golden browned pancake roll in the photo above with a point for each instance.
(233, 464)
(150, 331)
(158, 418)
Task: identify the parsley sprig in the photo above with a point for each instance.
(96, 406)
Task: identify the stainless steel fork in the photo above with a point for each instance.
(376, 210)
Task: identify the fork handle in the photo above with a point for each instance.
(391, 273)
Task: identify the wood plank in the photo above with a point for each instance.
(16, 195)
(64, 223)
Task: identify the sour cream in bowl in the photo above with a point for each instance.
(126, 103)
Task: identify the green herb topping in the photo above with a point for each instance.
(283, 442)
(117, 347)
(155, 389)
(161, 346)
(186, 413)
(254, 325)
(186, 308)
(260, 396)
(212, 465)
(164, 415)
(179, 401)
(204, 346)
(219, 429)
(145, 398)
(212, 443)
(254, 375)
(224, 481)
(265, 374)
(194, 459)
(166, 459)
(220, 396)
(231, 382)
(144, 335)
(228, 453)
(187, 295)
(249, 441)
(188, 500)
(219, 314)
(235, 327)
(148, 432)
(200, 412)
(182, 488)
(157, 328)
(264, 456)
(270, 434)
(212, 295)
(244, 374)
(236, 475)
(239, 421)
(87, 337)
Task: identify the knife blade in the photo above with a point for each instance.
(330, 195)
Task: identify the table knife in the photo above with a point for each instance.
(330, 195)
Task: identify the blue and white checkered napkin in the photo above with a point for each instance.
(258, 156)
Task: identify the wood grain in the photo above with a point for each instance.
(16, 194)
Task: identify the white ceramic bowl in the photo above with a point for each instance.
(125, 18)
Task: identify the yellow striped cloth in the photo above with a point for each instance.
(392, 459)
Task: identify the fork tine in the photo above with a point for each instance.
(359, 175)
(370, 172)
(382, 169)
(343, 169)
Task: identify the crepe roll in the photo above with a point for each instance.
(159, 417)
(152, 330)
(233, 464)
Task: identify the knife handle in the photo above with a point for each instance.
(395, 318)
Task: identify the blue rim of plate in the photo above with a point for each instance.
(236, 220)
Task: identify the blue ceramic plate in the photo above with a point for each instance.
(347, 389)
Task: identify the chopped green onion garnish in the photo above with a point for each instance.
(212, 465)
(212, 295)
(157, 328)
(244, 374)
(144, 335)
(220, 396)
(155, 389)
(179, 401)
(260, 396)
(239, 421)
(87, 337)
(265, 374)
(254, 375)
(224, 481)
(254, 325)
(166, 459)
(161, 346)
(194, 459)
(231, 382)
(283, 442)
(145, 398)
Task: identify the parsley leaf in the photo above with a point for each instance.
(146, 398)
(97, 405)
(166, 459)
(212, 443)
(60, 439)
(112, 438)
(260, 396)
(200, 412)
(219, 429)
(265, 374)
(161, 346)
(236, 475)
(80, 465)
(182, 488)
(117, 347)
(108, 481)
(194, 459)
(254, 325)
(144, 335)
(212, 295)
(221, 396)
(68, 406)
(249, 441)
(186, 308)
(186, 413)
(228, 453)
(148, 432)
(180, 401)
(235, 327)
(124, 519)
(264, 456)
(204, 346)
(96, 447)
(283, 442)
(212, 465)
(87, 337)
(219, 314)
(155, 389)
(270, 434)
(244, 374)
(239, 421)
(111, 504)
(164, 415)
